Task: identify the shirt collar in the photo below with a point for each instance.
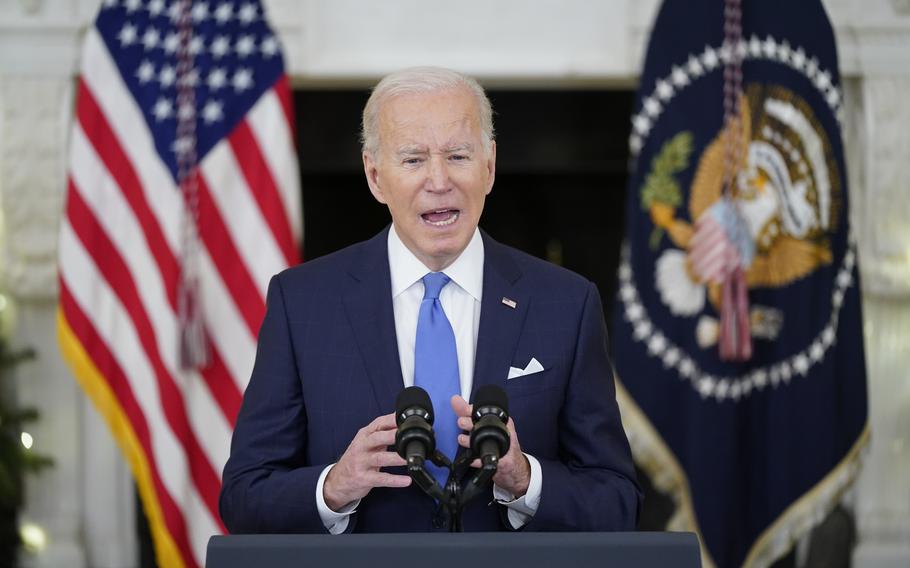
(466, 271)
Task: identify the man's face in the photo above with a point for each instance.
(432, 171)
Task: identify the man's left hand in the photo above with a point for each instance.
(513, 472)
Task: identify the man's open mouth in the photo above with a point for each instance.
(441, 217)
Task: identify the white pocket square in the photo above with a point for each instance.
(533, 367)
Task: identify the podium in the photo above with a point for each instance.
(457, 550)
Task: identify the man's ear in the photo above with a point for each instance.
(491, 167)
(371, 170)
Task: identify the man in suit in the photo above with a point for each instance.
(431, 301)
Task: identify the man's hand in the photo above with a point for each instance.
(357, 472)
(513, 472)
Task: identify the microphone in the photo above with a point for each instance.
(490, 438)
(414, 440)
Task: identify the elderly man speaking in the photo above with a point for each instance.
(430, 301)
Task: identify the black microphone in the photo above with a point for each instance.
(414, 440)
(490, 438)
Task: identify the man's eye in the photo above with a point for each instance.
(458, 157)
(411, 161)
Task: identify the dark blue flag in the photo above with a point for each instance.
(755, 446)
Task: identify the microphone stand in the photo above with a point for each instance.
(453, 497)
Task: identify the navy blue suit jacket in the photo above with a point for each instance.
(327, 365)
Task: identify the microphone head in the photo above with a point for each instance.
(413, 400)
(491, 396)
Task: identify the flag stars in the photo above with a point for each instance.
(163, 109)
(828, 336)
(196, 45)
(151, 38)
(642, 330)
(687, 367)
(664, 90)
(798, 58)
(132, 5)
(212, 111)
(155, 8)
(657, 344)
(171, 42)
(783, 52)
(635, 312)
(800, 364)
(706, 387)
(754, 46)
(269, 47)
(174, 12)
(641, 124)
(742, 49)
(245, 46)
(247, 14)
(183, 145)
(725, 53)
(127, 35)
(217, 79)
(243, 80)
(145, 72)
(200, 11)
(709, 58)
(671, 357)
(220, 46)
(816, 351)
(770, 47)
(811, 67)
(679, 77)
(695, 68)
(167, 76)
(223, 13)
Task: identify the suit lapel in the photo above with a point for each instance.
(368, 304)
(500, 324)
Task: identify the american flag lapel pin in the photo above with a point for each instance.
(509, 302)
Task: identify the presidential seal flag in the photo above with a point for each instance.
(738, 329)
(183, 199)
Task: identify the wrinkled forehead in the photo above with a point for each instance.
(444, 117)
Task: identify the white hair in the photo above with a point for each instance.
(422, 80)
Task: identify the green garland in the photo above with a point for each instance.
(15, 460)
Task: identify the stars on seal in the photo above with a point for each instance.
(698, 65)
(735, 388)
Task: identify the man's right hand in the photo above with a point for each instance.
(357, 472)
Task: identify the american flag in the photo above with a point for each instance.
(164, 85)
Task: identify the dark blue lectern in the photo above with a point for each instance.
(457, 550)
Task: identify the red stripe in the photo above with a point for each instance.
(120, 280)
(228, 261)
(107, 146)
(223, 388)
(282, 88)
(262, 185)
(113, 374)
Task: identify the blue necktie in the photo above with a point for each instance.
(436, 368)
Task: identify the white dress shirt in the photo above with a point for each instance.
(461, 300)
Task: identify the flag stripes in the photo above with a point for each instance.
(120, 251)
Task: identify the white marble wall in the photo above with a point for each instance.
(85, 503)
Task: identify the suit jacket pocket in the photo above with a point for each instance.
(528, 385)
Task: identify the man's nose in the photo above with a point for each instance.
(438, 174)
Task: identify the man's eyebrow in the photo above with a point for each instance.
(411, 149)
(463, 147)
